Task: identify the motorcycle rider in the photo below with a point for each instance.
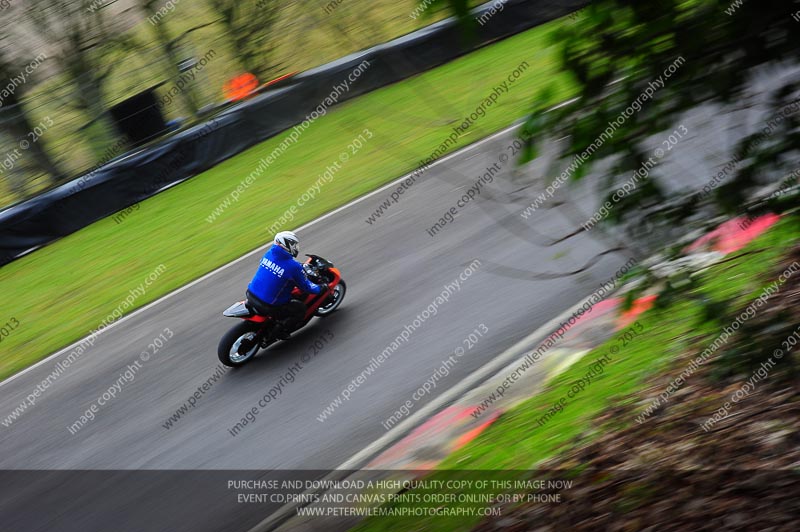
(270, 291)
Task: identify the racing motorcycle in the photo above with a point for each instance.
(256, 331)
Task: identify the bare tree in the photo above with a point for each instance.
(169, 46)
(15, 121)
(83, 39)
(249, 26)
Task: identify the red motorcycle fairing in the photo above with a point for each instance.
(314, 301)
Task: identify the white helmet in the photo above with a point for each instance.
(288, 241)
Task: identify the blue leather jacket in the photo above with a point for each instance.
(277, 274)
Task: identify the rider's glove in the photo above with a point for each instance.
(324, 287)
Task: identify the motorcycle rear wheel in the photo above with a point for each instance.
(239, 345)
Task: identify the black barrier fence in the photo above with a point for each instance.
(132, 177)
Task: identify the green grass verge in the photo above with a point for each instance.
(516, 442)
(61, 292)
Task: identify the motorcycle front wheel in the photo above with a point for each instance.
(333, 302)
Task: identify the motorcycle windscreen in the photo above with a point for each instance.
(238, 310)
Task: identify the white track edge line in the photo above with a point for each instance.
(489, 369)
(262, 248)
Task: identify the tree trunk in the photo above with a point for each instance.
(16, 122)
(166, 45)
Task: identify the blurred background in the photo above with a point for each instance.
(80, 58)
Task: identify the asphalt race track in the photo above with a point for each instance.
(394, 270)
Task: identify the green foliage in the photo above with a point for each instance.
(617, 47)
(756, 343)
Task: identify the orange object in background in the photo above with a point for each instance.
(246, 84)
(240, 87)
